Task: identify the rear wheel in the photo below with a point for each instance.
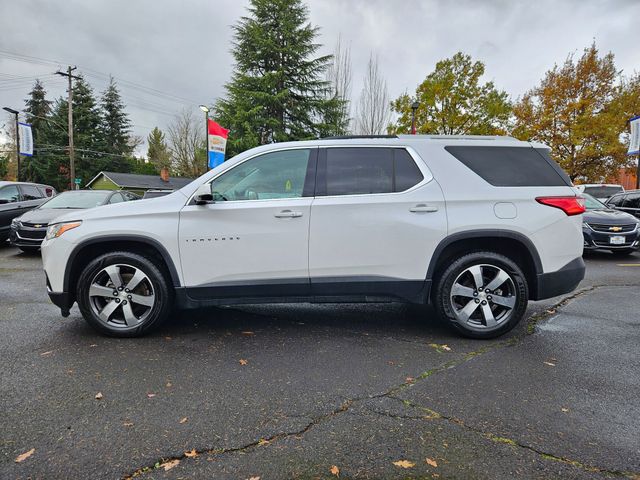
(482, 294)
(123, 294)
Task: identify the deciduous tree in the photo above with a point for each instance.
(578, 109)
(372, 109)
(454, 101)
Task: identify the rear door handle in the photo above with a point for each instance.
(421, 207)
(288, 214)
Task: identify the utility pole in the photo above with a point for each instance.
(72, 166)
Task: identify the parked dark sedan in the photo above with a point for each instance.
(28, 231)
(608, 229)
(17, 198)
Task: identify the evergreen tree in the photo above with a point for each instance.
(277, 92)
(115, 128)
(89, 137)
(38, 108)
(158, 152)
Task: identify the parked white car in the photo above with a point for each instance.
(477, 226)
(600, 191)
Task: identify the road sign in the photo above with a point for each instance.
(77, 181)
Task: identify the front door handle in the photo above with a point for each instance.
(421, 207)
(288, 214)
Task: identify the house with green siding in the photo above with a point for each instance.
(136, 183)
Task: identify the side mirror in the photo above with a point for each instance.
(203, 195)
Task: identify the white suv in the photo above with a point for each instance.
(477, 226)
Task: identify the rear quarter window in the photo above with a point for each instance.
(511, 166)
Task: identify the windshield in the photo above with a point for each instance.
(593, 204)
(77, 199)
(602, 191)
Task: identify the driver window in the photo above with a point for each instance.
(9, 194)
(270, 176)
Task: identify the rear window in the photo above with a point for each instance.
(366, 170)
(511, 166)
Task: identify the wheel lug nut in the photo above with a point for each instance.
(124, 302)
(477, 300)
(480, 289)
(117, 300)
(120, 288)
(126, 290)
(115, 293)
(484, 302)
(489, 297)
(475, 294)
(129, 297)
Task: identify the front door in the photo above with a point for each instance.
(253, 240)
(376, 220)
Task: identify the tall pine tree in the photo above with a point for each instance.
(38, 108)
(158, 152)
(277, 92)
(115, 127)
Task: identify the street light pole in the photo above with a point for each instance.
(205, 109)
(15, 112)
(414, 107)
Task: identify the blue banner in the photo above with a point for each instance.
(215, 159)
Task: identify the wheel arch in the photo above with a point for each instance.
(85, 251)
(506, 242)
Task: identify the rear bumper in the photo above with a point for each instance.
(562, 281)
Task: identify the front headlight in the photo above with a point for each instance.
(57, 229)
(15, 223)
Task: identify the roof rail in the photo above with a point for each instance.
(352, 137)
(462, 137)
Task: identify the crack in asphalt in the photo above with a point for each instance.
(433, 415)
(532, 321)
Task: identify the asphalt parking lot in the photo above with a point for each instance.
(375, 391)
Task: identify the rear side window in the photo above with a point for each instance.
(632, 201)
(30, 192)
(367, 170)
(616, 200)
(511, 166)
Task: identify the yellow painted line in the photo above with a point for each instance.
(629, 264)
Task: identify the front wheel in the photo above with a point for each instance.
(123, 294)
(482, 294)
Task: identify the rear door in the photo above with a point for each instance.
(376, 218)
(632, 204)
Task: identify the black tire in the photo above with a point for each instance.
(156, 283)
(30, 250)
(515, 291)
(623, 252)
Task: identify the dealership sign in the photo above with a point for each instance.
(217, 143)
(634, 138)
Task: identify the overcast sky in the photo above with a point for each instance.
(168, 55)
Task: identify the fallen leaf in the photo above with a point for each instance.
(99, 396)
(183, 420)
(46, 353)
(446, 347)
(433, 463)
(335, 470)
(169, 385)
(243, 361)
(191, 454)
(170, 464)
(410, 379)
(23, 456)
(128, 424)
(404, 464)
(151, 395)
(550, 364)
(93, 345)
(253, 478)
(564, 409)
(262, 442)
(247, 333)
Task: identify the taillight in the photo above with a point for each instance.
(569, 205)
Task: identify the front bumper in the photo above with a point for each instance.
(561, 281)
(23, 236)
(594, 240)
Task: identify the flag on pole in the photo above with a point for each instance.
(26, 139)
(634, 138)
(217, 143)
